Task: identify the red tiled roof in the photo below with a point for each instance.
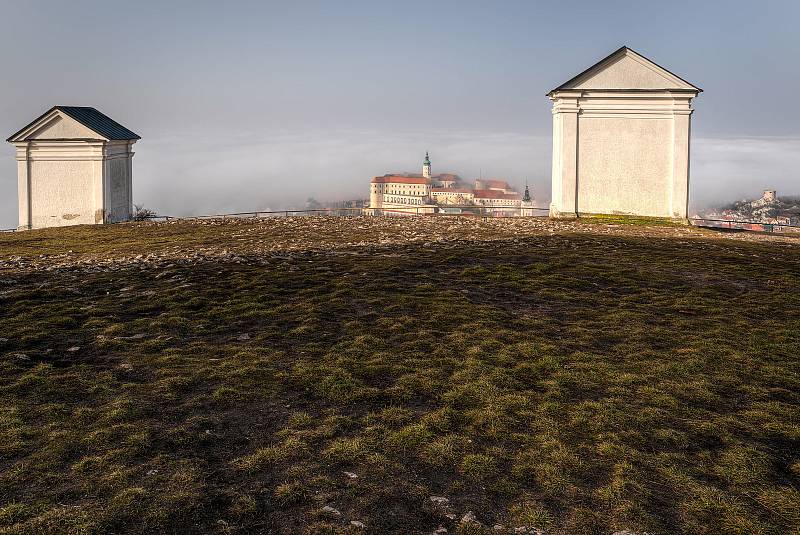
(494, 184)
(399, 179)
(494, 194)
(452, 190)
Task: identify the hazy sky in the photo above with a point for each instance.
(252, 105)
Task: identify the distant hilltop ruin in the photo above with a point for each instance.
(768, 209)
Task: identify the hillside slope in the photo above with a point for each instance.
(310, 375)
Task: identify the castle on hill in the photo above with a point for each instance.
(419, 194)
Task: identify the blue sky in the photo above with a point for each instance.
(256, 105)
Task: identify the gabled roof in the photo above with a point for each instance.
(658, 76)
(88, 117)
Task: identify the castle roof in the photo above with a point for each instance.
(400, 179)
(494, 184)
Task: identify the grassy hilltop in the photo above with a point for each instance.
(368, 375)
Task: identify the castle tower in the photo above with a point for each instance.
(426, 166)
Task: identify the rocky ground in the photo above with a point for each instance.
(186, 240)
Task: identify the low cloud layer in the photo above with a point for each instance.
(189, 175)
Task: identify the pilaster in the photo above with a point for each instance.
(129, 178)
(98, 187)
(565, 155)
(679, 191)
(24, 186)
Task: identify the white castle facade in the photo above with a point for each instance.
(420, 194)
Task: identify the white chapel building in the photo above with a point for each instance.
(621, 133)
(74, 167)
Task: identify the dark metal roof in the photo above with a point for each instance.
(91, 118)
(102, 124)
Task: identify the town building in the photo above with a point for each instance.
(497, 202)
(74, 166)
(621, 140)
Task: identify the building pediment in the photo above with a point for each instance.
(73, 123)
(625, 69)
(60, 126)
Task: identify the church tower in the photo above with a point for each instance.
(426, 166)
(526, 206)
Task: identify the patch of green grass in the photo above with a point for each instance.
(630, 220)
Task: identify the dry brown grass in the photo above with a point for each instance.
(578, 379)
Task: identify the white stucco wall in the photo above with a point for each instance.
(624, 165)
(58, 193)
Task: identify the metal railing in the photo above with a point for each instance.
(442, 211)
(749, 226)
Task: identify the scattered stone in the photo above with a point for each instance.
(469, 518)
(126, 366)
(351, 475)
(3, 340)
(439, 500)
(441, 530)
(357, 524)
(73, 349)
(20, 356)
(152, 472)
(132, 337)
(624, 532)
(331, 511)
(243, 337)
(498, 527)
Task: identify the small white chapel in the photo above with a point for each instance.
(74, 167)
(621, 132)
